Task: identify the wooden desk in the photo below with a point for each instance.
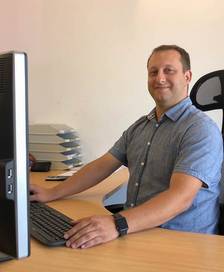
(153, 250)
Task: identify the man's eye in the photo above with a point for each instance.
(169, 71)
(152, 73)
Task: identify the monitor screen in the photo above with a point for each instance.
(14, 193)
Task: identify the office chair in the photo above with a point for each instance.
(114, 201)
(208, 94)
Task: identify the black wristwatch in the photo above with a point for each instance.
(121, 224)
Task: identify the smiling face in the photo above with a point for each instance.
(167, 80)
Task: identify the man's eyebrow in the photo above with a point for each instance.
(153, 68)
(169, 66)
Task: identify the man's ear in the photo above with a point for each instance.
(188, 76)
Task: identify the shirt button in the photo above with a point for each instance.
(136, 184)
(142, 163)
(157, 125)
(148, 143)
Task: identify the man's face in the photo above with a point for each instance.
(167, 82)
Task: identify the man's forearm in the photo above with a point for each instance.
(87, 177)
(152, 213)
(165, 205)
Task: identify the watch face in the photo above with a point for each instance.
(121, 224)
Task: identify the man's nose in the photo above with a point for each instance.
(161, 78)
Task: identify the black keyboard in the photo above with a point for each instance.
(48, 225)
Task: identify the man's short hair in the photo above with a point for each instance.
(184, 56)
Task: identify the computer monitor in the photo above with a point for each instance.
(14, 193)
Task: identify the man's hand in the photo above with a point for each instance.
(39, 194)
(91, 231)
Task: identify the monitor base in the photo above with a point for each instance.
(4, 257)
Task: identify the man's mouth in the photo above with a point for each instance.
(162, 87)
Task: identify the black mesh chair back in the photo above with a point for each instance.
(208, 94)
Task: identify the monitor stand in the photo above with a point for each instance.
(4, 257)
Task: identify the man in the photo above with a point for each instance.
(174, 156)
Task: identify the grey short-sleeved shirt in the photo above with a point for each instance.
(185, 140)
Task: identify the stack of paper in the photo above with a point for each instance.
(57, 143)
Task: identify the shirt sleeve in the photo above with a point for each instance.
(119, 149)
(201, 152)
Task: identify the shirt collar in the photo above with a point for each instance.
(152, 114)
(175, 112)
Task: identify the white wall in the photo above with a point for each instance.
(87, 58)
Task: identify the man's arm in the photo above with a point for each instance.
(94, 230)
(165, 206)
(86, 177)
